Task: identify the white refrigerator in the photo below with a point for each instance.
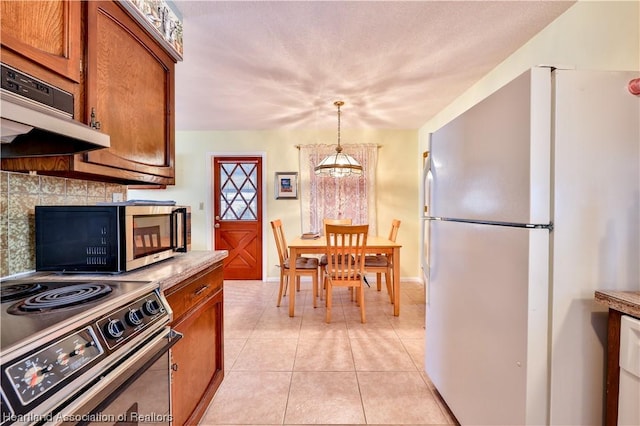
(534, 203)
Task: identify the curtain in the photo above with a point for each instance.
(349, 197)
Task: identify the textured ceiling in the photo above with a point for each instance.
(267, 65)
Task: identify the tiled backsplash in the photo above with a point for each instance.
(20, 193)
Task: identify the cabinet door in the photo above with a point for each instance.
(46, 32)
(130, 85)
(197, 360)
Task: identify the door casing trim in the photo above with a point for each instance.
(209, 198)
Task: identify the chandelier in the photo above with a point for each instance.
(338, 164)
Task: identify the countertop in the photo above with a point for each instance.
(627, 302)
(167, 273)
(172, 271)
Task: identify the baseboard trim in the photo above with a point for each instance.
(370, 278)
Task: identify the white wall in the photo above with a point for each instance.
(596, 35)
(397, 181)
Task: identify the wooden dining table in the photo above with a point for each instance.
(375, 244)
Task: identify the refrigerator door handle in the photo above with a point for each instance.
(548, 226)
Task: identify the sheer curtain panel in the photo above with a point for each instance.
(348, 197)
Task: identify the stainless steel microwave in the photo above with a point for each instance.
(109, 238)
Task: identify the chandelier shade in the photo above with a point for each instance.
(339, 164)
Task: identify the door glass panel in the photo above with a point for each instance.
(238, 191)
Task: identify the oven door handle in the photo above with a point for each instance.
(100, 392)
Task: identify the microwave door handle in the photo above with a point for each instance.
(180, 218)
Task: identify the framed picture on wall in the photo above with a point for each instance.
(286, 185)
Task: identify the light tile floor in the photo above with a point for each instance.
(301, 370)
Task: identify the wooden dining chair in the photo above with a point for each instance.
(305, 266)
(345, 268)
(327, 221)
(323, 258)
(382, 263)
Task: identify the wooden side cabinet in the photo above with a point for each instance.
(198, 359)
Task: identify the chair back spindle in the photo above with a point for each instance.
(345, 262)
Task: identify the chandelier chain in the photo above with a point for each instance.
(338, 104)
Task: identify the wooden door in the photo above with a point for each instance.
(237, 211)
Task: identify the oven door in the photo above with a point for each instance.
(136, 391)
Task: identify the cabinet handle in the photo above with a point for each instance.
(174, 366)
(94, 124)
(201, 289)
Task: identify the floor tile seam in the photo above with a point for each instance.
(263, 310)
(395, 424)
(293, 365)
(403, 343)
(394, 370)
(270, 370)
(438, 399)
(351, 370)
(258, 337)
(284, 414)
(244, 344)
(406, 352)
(377, 337)
(305, 339)
(299, 338)
(364, 412)
(295, 357)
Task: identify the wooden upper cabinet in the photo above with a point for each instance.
(127, 79)
(130, 86)
(46, 32)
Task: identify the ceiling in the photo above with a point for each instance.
(281, 64)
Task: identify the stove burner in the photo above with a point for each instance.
(62, 297)
(18, 291)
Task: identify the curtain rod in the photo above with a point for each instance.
(377, 146)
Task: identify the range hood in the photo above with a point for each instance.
(37, 119)
(28, 132)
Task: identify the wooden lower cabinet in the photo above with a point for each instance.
(197, 360)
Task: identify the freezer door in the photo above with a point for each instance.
(486, 322)
(493, 162)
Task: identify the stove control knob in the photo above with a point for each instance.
(151, 307)
(114, 328)
(134, 317)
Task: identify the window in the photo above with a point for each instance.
(350, 197)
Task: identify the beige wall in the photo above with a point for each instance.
(595, 35)
(397, 181)
(598, 35)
